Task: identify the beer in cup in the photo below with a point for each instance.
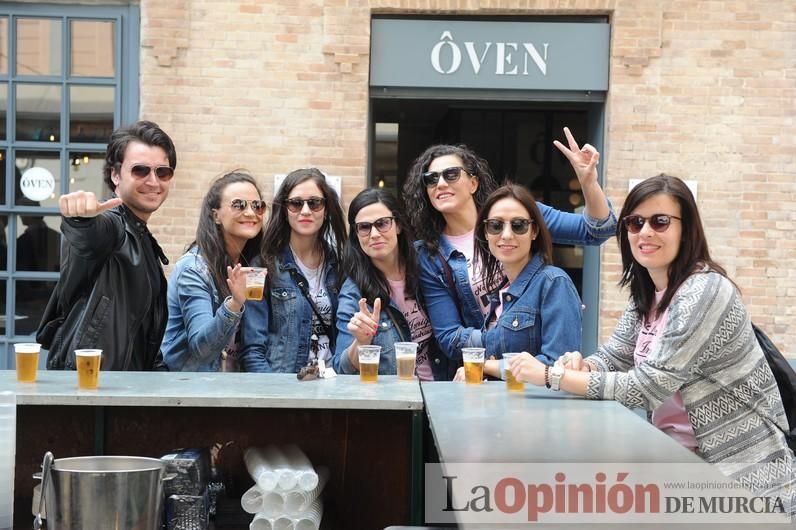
(512, 385)
(88, 368)
(255, 283)
(405, 355)
(369, 363)
(27, 357)
(473, 365)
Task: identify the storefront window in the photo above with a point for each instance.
(38, 113)
(92, 48)
(91, 113)
(39, 46)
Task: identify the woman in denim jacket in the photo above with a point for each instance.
(537, 308)
(379, 301)
(294, 322)
(207, 288)
(445, 188)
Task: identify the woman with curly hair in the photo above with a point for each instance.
(445, 188)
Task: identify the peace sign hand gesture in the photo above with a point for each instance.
(583, 159)
(364, 324)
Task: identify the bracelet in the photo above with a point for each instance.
(547, 375)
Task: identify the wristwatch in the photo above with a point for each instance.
(556, 373)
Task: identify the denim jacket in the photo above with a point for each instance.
(200, 326)
(457, 319)
(392, 328)
(275, 332)
(541, 315)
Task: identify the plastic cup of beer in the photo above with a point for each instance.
(512, 385)
(27, 357)
(88, 368)
(473, 365)
(255, 283)
(405, 355)
(369, 363)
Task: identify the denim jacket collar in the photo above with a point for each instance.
(520, 283)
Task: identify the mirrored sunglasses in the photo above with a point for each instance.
(519, 226)
(451, 174)
(142, 171)
(257, 205)
(382, 224)
(659, 222)
(296, 204)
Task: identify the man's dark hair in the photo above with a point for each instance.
(145, 132)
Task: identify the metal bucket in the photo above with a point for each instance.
(118, 492)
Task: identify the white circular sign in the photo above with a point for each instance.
(37, 184)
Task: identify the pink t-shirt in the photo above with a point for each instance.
(466, 245)
(419, 327)
(671, 416)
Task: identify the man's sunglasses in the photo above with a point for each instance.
(382, 224)
(451, 174)
(659, 222)
(296, 204)
(519, 226)
(142, 171)
(257, 205)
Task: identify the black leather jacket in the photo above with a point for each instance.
(111, 294)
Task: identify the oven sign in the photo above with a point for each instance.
(37, 184)
(446, 56)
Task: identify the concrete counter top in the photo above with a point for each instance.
(192, 389)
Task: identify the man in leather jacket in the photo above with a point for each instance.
(112, 292)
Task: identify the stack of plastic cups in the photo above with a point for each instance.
(286, 491)
(8, 430)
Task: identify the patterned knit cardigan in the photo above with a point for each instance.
(708, 352)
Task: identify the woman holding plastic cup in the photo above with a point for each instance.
(536, 309)
(379, 301)
(445, 188)
(294, 322)
(207, 288)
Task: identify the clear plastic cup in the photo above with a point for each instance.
(512, 385)
(27, 358)
(473, 365)
(88, 368)
(369, 363)
(255, 283)
(405, 356)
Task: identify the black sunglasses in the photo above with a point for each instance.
(382, 224)
(296, 204)
(519, 226)
(257, 205)
(659, 222)
(142, 171)
(451, 174)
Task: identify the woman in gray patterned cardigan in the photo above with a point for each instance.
(684, 348)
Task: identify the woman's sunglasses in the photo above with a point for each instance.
(142, 171)
(451, 174)
(659, 222)
(382, 224)
(519, 226)
(296, 204)
(257, 205)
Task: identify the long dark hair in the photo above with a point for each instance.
(427, 222)
(543, 244)
(692, 255)
(371, 281)
(277, 232)
(210, 236)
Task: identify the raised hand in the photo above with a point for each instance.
(365, 323)
(85, 204)
(583, 159)
(236, 281)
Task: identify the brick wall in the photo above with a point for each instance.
(702, 90)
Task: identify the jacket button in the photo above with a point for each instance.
(515, 323)
(384, 324)
(284, 293)
(436, 361)
(508, 298)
